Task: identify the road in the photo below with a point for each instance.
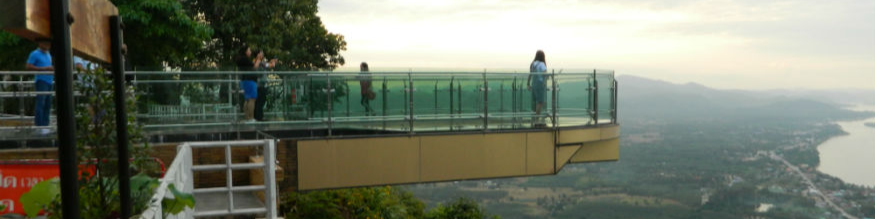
(811, 185)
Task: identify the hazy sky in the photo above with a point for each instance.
(747, 44)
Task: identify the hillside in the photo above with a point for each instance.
(648, 98)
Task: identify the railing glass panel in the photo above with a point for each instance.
(575, 105)
(605, 94)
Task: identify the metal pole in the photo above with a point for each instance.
(452, 118)
(459, 96)
(451, 95)
(616, 99)
(329, 102)
(383, 100)
(270, 179)
(410, 102)
(513, 97)
(485, 103)
(555, 98)
(62, 57)
(595, 98)
(121, 115)
(501, 97)
(435, 97)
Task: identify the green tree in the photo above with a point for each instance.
(461, 208)
(160, 33)
(287, 30)
(15, 51)
(373, 202)
(96, 142)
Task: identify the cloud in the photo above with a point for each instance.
(724, 43)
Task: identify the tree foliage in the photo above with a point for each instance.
(285, 29)
(15, 51)
(461, 208)
(206, 34)
(374, 202)
(160, 32)
(96, 142)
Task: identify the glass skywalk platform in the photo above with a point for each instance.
(331, 104)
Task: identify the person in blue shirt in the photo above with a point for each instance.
(538, 86)
(41, 60)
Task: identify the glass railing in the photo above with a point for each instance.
(202, 102)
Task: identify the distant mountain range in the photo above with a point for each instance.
(648, 98)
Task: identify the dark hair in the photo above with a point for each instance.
(364, 66)
(539, 56)
(243, 51)
(42, 39)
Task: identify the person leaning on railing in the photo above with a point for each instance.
(262, 65)
(248, 82)
(41, 60)
(538, 86)
(366, 90)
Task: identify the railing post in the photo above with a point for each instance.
(452, 79)
(554, 98)
(188, 175)
(459, 97)
(452, 118)
(616, 99)
(230, 92)
(595, 97)
(435, 96)
(513, 101)
(385, 104)
(270, 179)
(501, 97)
(21, 97)
(410, 100)
(229, 180)
(328, 92)
(485, 91)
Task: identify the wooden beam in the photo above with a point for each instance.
(90, 36)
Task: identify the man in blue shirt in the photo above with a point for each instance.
(41, 60)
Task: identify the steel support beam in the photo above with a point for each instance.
(62, 56)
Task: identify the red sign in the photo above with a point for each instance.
(17, 179)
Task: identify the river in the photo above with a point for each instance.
(851, 157)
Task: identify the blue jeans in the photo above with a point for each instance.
(43, 105)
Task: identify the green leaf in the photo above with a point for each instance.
(180, 201)
(40, 196)
(143, 182)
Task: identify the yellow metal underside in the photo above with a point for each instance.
(340, 163)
